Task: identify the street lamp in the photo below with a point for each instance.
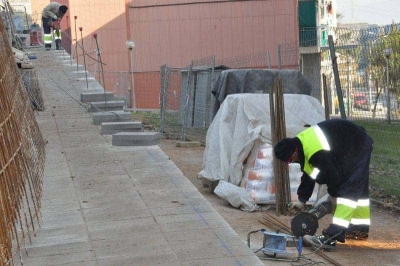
(130, 45)
(387, 53)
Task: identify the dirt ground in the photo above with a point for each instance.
(381, 248)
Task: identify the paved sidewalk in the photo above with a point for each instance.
(110, 205)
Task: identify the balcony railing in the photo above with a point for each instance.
(314, 36)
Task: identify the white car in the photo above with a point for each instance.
(379, 107)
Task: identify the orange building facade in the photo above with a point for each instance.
(171, 32)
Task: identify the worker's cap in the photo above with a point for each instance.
(285, 148)
(63, 9)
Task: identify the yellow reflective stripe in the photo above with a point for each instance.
(314, 173)
(360, 221)
(346, 202)
(345, 210)
(47, 38)
(362, 212)
(340, 222)
(363, 203)
(322, 138)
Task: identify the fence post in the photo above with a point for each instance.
(279, 57)
(336, 75)
(163, 94)
(184, 122)
(213, 71)
(268, 60)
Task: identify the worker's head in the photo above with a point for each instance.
(62, 9)
(286, 150)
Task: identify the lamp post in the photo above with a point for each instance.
(130, 45)
(387, 53)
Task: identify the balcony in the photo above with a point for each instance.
(311, 39)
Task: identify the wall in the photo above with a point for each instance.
(174, 32)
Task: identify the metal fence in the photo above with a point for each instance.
(367, 61)
(187, 102)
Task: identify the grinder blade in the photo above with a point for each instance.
(304, 223)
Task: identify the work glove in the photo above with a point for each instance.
(296, 206)
(54, 17)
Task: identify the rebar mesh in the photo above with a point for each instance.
(31, 83)
(21, 158)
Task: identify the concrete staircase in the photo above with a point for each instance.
(114, 121)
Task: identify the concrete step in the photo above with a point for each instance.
(106, 106)
(109, 128)
(136, 138)
(85, 90)
(87, 97)
(116, 116)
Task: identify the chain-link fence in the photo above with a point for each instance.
(368, 63)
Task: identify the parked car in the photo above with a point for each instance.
(361, 101)
(379, 106)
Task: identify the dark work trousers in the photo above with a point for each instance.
(46, 22)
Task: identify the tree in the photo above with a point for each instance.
(377, 60)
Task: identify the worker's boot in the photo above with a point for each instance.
(357, 232)
(326, 240)
(321, 241)
(47, 47)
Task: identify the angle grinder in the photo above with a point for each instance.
(306, 223)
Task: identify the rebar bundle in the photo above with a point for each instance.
(278, 130)
(22, 157)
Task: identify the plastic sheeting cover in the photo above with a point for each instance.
(244, 118)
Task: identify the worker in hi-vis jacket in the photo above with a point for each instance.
(337, 153)
(53, 12)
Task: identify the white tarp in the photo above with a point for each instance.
(245, 118)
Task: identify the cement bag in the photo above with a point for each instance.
(238, 197)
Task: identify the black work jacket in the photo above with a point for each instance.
(348, 143)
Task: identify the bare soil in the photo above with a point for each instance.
(381, 248)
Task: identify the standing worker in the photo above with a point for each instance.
(337, 153)
(53, 12)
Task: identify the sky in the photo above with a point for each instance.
(380, 12)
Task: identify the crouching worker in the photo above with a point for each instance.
(336, 153)
(53, 12)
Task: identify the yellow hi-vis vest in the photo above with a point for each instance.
(313, 140)
(57, 34)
